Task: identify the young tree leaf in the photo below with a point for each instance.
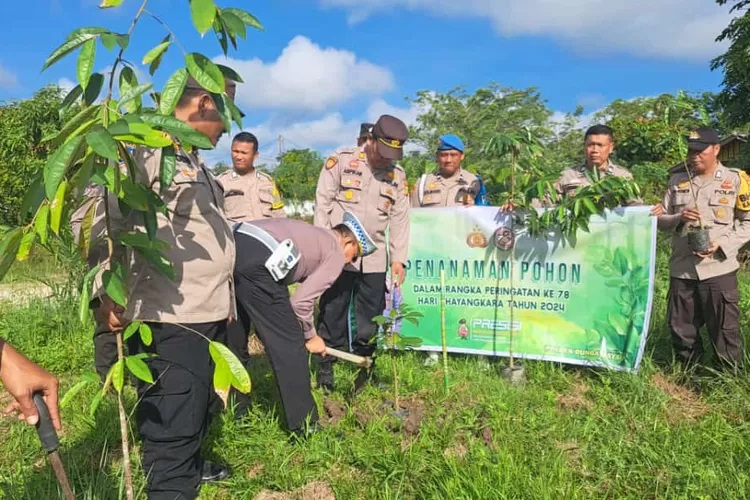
(171, 125)
(156, 52)
(86, 62)
(135, 194)
(139, 368)
(222, 376)
(25, 247)
(57, 206)
(203, 13)
(240, 377)
(134, 94)
(131, 329)
(205, 72)
(74, 124)
(234, 23)
(9, 249)
(58, 164)
(114, 286)
(102, 143)
(123, 40)
(172, 91)
(167, 167)
(147, 336)
(107, 4)
(118, 375)
(83, 304)
(109, 40)
(129, 82)
(73, 42)
(72, 393)
(97, 400)
(41, 223)
(246, 18)
(70, 98)
(230, 74)
(94, 88)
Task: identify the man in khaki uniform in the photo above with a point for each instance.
(703, 286)
(283, 323)
(173, 414)
(449, 185)
(598, 144)
(367, 182)
(249, 194)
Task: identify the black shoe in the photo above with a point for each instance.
(214, 472)
(302, 433)
(325, 376)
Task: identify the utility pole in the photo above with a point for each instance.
(281, 145)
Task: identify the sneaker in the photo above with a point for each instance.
(212, 472)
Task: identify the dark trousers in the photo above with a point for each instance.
(238, 334)
(334, 325)
(105, 352)
(712, 302)
(266, 304)
(173, 414)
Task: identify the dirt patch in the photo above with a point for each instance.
(684, 405)
(575, 399)
(413, 421)
(364, 415)
(255, 470)
(488, 438)
(317, 490)
(255, 346)
(333, 412)
(459, 449)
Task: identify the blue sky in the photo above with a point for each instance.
(321, 67)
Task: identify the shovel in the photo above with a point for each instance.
(361, 361)
(47, 435)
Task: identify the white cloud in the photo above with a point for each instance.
(681, 29)
(7, 78)
(325, 133)
(66, 84)
(308, 77)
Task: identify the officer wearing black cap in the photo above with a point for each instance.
(703, 286)
(368, 182)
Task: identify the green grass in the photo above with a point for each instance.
(568, 433)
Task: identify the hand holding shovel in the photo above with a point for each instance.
(47, 435)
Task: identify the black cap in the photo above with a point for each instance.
(365, 129)
(390, 134)
(700, 138)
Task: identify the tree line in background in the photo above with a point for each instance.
(648, 130)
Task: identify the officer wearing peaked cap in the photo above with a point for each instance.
(449, 185)
(703, 286)
(271, 255)
(367, 182)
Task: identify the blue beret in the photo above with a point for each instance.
(450, 141)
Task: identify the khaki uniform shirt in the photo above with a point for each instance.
(321, 262)
(251, 196)
(199, 240)
(575, 177)
(434, 190)
(379, 198)
(724, 205)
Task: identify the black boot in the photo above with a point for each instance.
(214, 472)
(365, 376)
(325, 376)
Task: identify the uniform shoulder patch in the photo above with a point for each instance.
(743, 194)
(331, 162)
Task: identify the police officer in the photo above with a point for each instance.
(450, 185)
(367, 182)
(703, 286)
(249, 194)
(173, 414)
(271, 255)
(598, 145)
(364, 132)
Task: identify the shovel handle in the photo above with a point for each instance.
(347, 356)
(44, 428)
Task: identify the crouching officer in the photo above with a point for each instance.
(271, 255)
(703, 286)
